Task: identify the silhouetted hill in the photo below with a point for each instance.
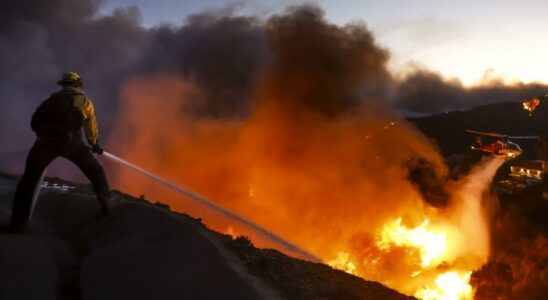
(448, 129)
(147, 251)
(517, 261)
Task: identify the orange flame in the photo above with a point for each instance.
(431, 243)
(531, 105)
(314, 180)
(343, 262)
(435, 258)
(448, 286)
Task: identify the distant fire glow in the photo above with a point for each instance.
(531, 105)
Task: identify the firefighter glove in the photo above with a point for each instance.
(96, 149)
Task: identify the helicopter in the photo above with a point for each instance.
(502, 147)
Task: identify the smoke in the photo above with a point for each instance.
(428, 92)
(442, 243)
(472, 219)
(326, 68)
(288, 121)
(321, 160)
(41, 40)
(219, 51)
(277, 240)
(517, 267)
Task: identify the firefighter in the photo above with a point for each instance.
(58, 124)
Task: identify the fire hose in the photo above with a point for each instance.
(290, 247)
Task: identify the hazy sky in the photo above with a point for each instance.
(463, 39)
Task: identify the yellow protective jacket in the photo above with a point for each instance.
(49, 118)
(85, 105)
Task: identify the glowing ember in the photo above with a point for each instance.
(531, 105)
(431, 243)
(449, 286)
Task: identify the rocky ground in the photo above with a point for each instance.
(146, 251)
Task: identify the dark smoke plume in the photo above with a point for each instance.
(303, 63)
(220, 53)
(427, 92)
(41, 40)
(328, 68)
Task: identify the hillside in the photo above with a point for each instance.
(448, 129)
(146, 251)
(517, 265)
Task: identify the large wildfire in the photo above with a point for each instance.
(336, 187)
(322, 160)
(434, 259)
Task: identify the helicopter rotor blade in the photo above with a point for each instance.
(532, 137)
(491, 134)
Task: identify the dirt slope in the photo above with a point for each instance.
(145, 251)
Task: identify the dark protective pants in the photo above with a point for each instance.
(42, 153)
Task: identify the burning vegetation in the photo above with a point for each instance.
(322, 160)
(531, 105)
